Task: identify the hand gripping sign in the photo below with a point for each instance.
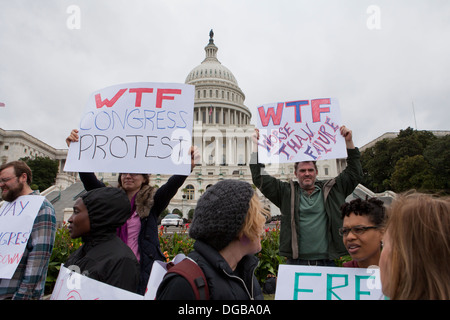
(301, 130)
(140, 127)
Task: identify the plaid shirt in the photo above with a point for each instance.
(28, 281)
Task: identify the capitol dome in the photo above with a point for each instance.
(218, 98)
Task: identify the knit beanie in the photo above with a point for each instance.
(220, 213)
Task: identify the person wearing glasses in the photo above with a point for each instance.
(140, 231)
(28, 281)
(362, 231)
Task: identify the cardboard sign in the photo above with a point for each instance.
(327, 283)
(71, 285)
(159, 270)
(135, 128)
(16, 224)
(302, 130)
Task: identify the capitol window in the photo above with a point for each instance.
(189, 191)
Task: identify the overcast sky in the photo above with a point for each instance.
(378, 58)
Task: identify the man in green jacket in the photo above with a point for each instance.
(310, 209)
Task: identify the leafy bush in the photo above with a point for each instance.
(268, 256)
(339, 262)
(172, 244)
(63, 247)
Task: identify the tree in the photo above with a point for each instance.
(191, 214)
(437, 154)
(178, 212)
(378, 166)
(412, 160)
(410, 142)
(412, 173)
(44, 171)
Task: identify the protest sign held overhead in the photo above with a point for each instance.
(301, 130)
(16, 224)
(147, 123)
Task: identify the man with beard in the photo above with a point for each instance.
(28, 281)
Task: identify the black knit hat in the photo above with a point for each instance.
(220, 213)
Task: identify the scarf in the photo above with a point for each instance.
(141, 202)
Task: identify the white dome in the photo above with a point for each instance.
(218, 98)
(213, 70)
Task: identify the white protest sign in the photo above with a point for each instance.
(71, 285)
(16, 224)
(327, 283)
(301, 130)
(142, 127)
(159, 269)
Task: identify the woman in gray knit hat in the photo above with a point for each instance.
(227, 226)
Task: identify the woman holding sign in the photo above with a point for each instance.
(140, 231)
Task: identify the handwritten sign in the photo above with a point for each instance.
(140, 127)
(16, 224)
(302, 130)
(159, 270)
(327, 283)
(71, 285)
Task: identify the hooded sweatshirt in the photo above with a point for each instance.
(103, 256)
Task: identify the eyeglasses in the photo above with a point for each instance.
(358, 230)
(5, 180)
(130, 174)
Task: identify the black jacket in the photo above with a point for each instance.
(103, 256)
(110, 261)
(148, 242)
(223, 283)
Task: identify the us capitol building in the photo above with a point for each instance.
(221, 131)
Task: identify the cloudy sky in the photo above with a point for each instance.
(378, 58)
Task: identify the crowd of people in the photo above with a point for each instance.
(409, 240)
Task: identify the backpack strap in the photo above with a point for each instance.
(191, 271)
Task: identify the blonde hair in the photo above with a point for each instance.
(255, 219)
(419, 233)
